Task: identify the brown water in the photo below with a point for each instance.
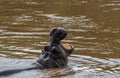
(93, 26)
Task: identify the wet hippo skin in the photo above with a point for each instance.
(53, 55)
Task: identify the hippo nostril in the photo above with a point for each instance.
(58, 34)
(53, 31)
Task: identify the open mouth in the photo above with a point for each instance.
(68, 46)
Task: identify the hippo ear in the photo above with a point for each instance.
(52, 31)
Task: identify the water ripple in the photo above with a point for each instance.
(27, 33)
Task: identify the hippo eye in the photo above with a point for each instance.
(46, 48)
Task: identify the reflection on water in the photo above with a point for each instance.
(93, 28)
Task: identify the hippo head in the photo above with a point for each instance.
(57, 34)
(55, 54)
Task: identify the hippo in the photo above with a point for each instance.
(54, 54)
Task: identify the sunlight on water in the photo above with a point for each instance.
(93, 29)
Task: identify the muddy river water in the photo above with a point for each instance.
(93, 26)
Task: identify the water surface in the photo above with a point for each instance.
(93, 28)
